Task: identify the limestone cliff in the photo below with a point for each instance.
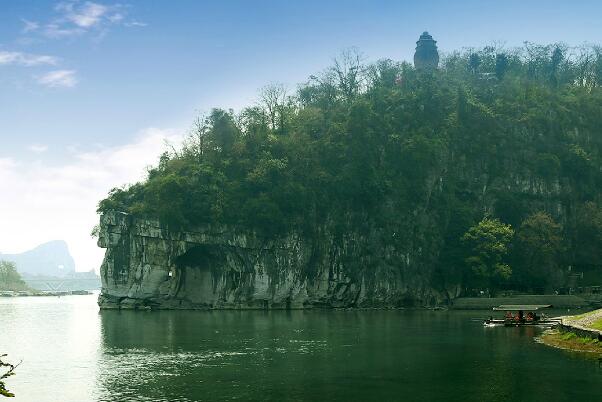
(149, 266)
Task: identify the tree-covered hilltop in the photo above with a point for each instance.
(488, 168)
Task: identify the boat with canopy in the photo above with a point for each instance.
(517, 315)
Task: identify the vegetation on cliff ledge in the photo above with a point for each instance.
(491, 164)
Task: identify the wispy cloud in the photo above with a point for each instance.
(75, 18)
(26, 59)
(30, 26)
(84, 15)
(7, 163)
(58, 78)
(57, 31)
(135, 24)
(59, 200)
(38, 148)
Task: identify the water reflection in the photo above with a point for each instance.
(214, 355)
(327, 355)
(57, 340)
(71, 352)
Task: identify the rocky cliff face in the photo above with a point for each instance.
(397, 264)
(148, 266)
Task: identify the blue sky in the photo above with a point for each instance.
(89, 90)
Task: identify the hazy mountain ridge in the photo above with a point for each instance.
(51, 259)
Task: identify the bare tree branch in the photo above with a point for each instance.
(9, 371)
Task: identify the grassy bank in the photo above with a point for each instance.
(572, 342)
(573, 335)
(596, 323)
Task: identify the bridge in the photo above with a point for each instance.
(63, 284)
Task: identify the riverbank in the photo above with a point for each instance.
(578, 333)
(572, 342)
(591, 320)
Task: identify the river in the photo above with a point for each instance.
(71, 351)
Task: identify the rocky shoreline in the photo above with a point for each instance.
(578, 333)
(585, 321)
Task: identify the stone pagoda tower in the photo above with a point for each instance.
(426, 56)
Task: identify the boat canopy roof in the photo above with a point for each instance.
(524, 307)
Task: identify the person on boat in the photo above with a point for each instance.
(508, 316)
(529, 316)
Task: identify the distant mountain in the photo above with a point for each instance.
(48, 259)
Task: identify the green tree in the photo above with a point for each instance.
(539, 246)
(223, 131)
(588, 239)
(547, 166)
(9, 277)
(474, 61)
(501, 65)
(557, 58)
(487, 243)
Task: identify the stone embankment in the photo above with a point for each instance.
(584, 325)
(577, 333)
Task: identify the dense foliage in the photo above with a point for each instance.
(10, 278)
(513, 135)
(488, 244)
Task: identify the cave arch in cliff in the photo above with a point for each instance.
(201, 256)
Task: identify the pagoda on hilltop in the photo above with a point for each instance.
(427, 55)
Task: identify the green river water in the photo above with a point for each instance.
(71, 351)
